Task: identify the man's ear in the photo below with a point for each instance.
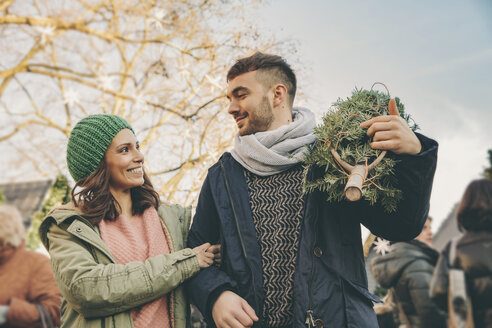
(279, 94)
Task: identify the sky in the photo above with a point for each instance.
(436, 56)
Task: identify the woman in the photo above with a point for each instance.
(473, 253)
(26, 278)
(117, 253)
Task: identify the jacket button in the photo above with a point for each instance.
(318, 252)
(79, 229)
(187, 253)
(318, 323)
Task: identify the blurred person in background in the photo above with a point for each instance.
(26, 278)
(473, 253)
(118, 253)
(407, 269)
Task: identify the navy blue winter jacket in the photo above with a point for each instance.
(330, 280)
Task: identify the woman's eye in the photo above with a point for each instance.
(124, 150)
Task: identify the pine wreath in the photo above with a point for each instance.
(343, 150)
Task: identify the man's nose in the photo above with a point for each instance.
(233, 108)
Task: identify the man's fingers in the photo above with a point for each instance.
(214, 249)
(379, 127)
(249, 310)
(382, 118)
(384, 145)
(383, 135)
(244, 319)
(392, 109)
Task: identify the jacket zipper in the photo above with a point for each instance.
(243, 248)
(309, 313)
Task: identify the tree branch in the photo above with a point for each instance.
(188, 162)
(5, 4)
(107, 91)
(81, 26)
(22, 125)
(8, 74)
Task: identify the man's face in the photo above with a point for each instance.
(426, 234)
(249, 104)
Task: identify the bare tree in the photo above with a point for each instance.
(159, 64)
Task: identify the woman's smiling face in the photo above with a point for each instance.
(125, 162)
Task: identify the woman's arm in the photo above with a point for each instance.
(97, 290)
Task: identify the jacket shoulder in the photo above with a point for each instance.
(60, 216)
(176, 218)
(226, 161)
(225, 158)
(175, 210)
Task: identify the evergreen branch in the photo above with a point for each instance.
(341, 131)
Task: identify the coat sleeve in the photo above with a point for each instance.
(440, 281)
(43, 290)
(415, 174)
(428, 313)
(98, 290)
(205, 228)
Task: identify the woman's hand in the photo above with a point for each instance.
(205, 259)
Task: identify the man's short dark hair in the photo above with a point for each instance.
(273, 69)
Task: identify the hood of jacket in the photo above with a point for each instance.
(61, 215)
(387, 269)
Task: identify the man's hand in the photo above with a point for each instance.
(391, 132)
(231, 310)
(215, 249)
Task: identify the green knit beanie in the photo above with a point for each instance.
(89, 140)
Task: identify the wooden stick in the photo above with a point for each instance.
(357, 176)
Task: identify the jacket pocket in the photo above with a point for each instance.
(359, 305)
(363, 291)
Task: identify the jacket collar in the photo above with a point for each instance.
(71, 220)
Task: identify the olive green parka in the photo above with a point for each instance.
(96, 291)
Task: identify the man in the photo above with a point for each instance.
(289, 259)
(408, 269)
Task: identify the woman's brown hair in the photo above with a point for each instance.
(475, 209)
(97, 203)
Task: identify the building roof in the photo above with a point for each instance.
(26, 196)
(446, 231)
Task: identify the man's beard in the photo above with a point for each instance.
(259, 120)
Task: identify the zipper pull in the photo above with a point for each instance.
(309, 319)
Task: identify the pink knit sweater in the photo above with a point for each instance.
(137, 239)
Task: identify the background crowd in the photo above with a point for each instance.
(423, 286)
